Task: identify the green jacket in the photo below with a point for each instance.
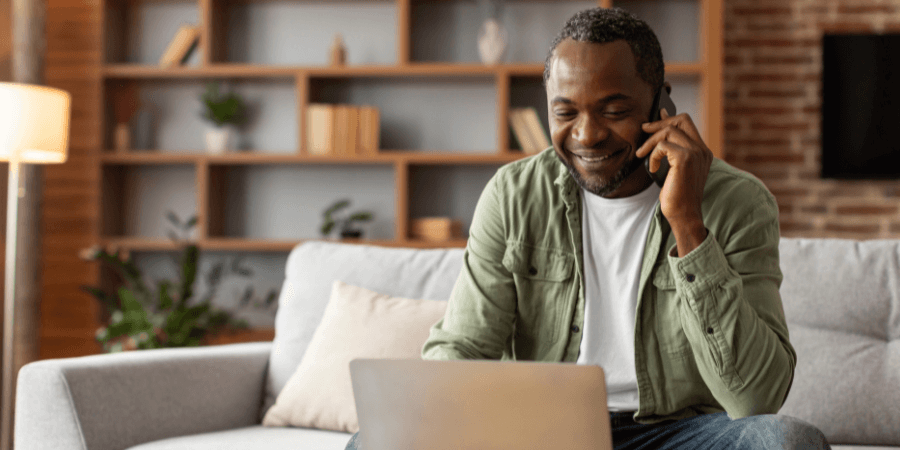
(710, 332)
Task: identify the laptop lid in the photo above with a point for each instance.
(484, 405)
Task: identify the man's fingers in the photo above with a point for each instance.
(663, 150)
(671, 134)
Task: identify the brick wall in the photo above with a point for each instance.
(773, 90)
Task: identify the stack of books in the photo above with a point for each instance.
(179, 50)
(342, 130)
(527, 129)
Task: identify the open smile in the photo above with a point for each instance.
(599, 159)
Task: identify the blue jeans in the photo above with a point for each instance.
(708, 432)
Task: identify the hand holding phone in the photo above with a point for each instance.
(662, 100)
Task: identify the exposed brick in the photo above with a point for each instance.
(751, 110)
(870, 8)
(862, 229)
(785, 209)
(846, 27)
(756, 142)
(788, 226)
(733, 60)
(814, 209)
(771, 26)
(761, 10)
(774, 158)
(780, 126)
(866, 210)
(777, 93)
(778, 77)
(770, 42)
(757, 60)
(895, 228)
(789, 192)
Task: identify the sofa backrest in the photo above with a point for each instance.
(842, 303)
(312, 268)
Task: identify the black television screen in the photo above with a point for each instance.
(861, 106)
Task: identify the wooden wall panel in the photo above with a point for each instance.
(69, 317)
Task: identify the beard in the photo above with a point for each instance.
(601, 187)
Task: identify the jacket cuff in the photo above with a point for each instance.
(700, 270)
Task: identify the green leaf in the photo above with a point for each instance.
(327, 227)
(340, 204)
(190, 223)
(173, 218)
(188, 273)
(165, 298)
(360, 217)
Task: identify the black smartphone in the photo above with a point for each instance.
(662, 100)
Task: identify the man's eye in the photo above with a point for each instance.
(616, 113)
(564, 114)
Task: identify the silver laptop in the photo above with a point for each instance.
(479, 405)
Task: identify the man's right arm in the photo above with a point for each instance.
(481, 311)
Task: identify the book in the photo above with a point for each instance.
(352, 131)
(339, 130)
(520, 130)
(181, 46)
(435, 229)
(369, 130)
(319, 125)
(538, 136)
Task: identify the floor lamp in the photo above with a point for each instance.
(34, 129)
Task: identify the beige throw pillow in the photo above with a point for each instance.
(357, 323)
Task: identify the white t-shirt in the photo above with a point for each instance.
(614, 232)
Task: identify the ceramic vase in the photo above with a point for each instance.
(218, 139)
(491, 41)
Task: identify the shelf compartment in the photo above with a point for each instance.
(448, 31)
(139, 31)
(675, 22)
(527, 91)
(169, 115)
(275, 202)
(137, 199)
(301, 33)
(447, 191)
(402, 102)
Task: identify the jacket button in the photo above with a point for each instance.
(532, 271)
(709, 330)
(690, 277)
(575, 328)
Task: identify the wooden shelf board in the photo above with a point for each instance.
(386, 157)
(227, 70)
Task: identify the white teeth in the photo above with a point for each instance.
(597, 159)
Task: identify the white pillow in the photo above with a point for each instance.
(357, 323)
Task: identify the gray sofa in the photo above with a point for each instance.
(841, 298)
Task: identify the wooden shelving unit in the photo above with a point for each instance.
(214, 64)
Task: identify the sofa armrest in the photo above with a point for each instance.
(115, 401)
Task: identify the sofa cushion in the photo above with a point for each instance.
(358, 323)
(311, 269)
(842, 304)
(254, 437)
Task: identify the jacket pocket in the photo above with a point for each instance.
(667, 304)
(544, 287)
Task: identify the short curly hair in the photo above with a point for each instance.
(602, 25)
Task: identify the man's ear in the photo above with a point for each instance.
(668, 87)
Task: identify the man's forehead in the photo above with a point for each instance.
(598, 67)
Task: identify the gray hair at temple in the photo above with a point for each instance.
(602, 25)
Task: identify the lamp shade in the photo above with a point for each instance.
(34, 123)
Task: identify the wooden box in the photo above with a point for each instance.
(435, 229)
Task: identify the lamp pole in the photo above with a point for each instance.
(9, 304)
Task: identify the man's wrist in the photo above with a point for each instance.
(688, 235)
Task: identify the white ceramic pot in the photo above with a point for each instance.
(218, 139)
(491, 42)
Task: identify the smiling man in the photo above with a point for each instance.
(576, 255)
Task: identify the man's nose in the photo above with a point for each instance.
(590, 130)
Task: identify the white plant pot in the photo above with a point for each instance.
(218, 140)
(491, 42)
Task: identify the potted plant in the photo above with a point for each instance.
(224, 112)
(140, 316)
(345, 223)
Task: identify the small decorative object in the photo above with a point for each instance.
(347, 230)
(435, 229)
(125, 105)
(143, 318)
(492, 39)
(224, 111)
(338, 51)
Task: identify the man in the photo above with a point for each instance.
(576, 255)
